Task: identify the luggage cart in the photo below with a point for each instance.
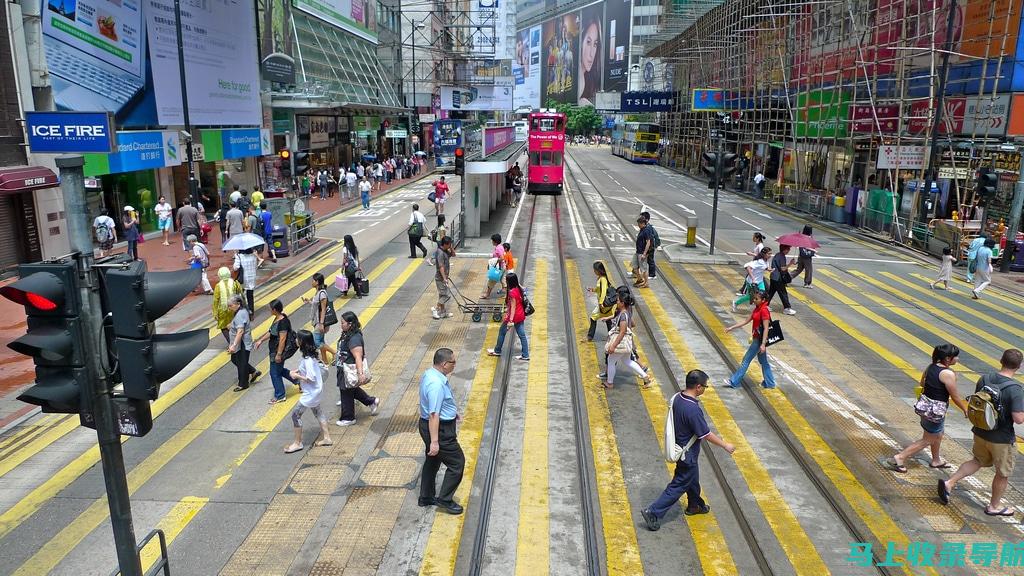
(477, 309)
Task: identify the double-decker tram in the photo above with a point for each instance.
(640, 143)
(546, 147)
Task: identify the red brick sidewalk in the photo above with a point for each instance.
(16, 371)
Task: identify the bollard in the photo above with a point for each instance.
(691, 231)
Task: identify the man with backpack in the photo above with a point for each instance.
(688, 430)
(652, 270)
(103, 229)
(998, 404)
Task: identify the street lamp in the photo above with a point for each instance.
(415, 110)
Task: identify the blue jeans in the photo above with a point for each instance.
(685, 480)
(366, 200)
(521, 330)
(278, 373)
(766, 368)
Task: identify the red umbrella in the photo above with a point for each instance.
(799, 241)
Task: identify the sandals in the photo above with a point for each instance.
(293, 448)
(323, 443)
(890, 464)
(1003, 512)
(275, 400)
(943, 465)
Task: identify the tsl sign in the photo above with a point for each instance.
(70, 132)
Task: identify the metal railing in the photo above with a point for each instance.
(162, 564)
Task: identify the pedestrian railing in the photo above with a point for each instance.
(162, 563)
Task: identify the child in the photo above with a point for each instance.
(945, 269)
(510, 264)
(311, 383)
(440, 232)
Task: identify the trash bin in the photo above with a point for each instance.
(279, 239)
(1018, 257)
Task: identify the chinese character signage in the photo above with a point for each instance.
(647, 101)
(707, 100)
(142, 150)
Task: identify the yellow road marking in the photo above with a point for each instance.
(27, 431)
(1014, 301)
(28, 505)
(534, 538)
(843, 480)
(787, 529)
(937, 296)
(446, 533)
(172, 524)
(622, 552)
(67, 539)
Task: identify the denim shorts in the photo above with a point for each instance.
(933, 427)
(318, 339)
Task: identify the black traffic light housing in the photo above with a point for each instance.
(286, 163)
(49, 291)
(137, 298)
(460, 161)
(710, 167)
(985, 183)
(301, 163)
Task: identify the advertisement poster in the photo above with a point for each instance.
(220, 61)
(355, 16)
(487, 13)
(526, 68)
(822, 113)
(560, 47)
(615, 45)
(478, 98)
(589, 76)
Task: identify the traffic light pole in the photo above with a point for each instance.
(714, 205)
(72, 183)
(193, 184)
(1014, 224)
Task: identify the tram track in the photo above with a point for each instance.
(807, 466)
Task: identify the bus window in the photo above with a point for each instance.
(545, 158)
(534, 158)
(543, 124)
(556, 158)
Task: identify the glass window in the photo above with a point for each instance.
(534, 158)
(556, 158)
(545, 158)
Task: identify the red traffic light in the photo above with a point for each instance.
(459, 152)
(40, 291)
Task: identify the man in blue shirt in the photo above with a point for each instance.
(688, 420)
(438, 417)
(268, 229)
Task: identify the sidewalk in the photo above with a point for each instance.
(1012, 282)
(17, 371)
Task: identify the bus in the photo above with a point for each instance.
(447, 137)
(639, 143)
(546, 145)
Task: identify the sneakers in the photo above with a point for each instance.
(702, 509)
(789, 311)
(732, 307)
(338, 403)
(345, 422)
(650, 519)
(374, 406)
(522, 358)
(491, 352)
(434, 314)
(603, 375)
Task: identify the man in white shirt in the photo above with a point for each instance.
(350, 183)
(364, 191)
(106, 234)
(163, 213)
(759, 184)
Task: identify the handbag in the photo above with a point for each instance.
(341, 282)
(930, 409)
(362, 286)
(351, 266)
(416, 229)
(431, 197)
(528, 308)
(142, 237)
(786, 277)
(493, 273)
(775, 334)
(291, 345)
(351, 375)
(625, 345)
(330, 316)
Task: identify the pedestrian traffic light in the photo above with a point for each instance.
(460, 161)
(985, 182)
(136, 299)
(301, 163)
(729, 165)
(710, 167)
(49, 293)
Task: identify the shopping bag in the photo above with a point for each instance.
(362, 286)
(341, 282)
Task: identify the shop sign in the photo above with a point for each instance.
(1015, 123)
(900, 157)
(862, 119)
(64, 132)
(138, 150)
(396, 133)
(427, 118)
(319, 132)
(999, 160)
(282, 121)
(235, 143)
(975, 115)
(278, 67)
(822, 114)
(707, 100)
(951, 173)
(365, 124)
(647, 101)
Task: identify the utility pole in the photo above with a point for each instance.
(1014, 224)
(193, 184)
(714, 204)
(100, 401)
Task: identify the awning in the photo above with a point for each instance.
(26, 178)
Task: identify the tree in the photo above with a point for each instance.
(578, 120)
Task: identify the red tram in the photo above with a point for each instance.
(546, 147)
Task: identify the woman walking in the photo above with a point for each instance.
(350, 358)
(222, 293)
(758, 240)
(241, 344)
(318, 309)
(350, 264)
(417, 229)
(130, 225)
(515, 317)
(804, 261)
(620, 346)
(201, 259)
(938, 387)
(604, 309)
(945, 269)
(983, 274)
(778, 279)
(245, 262)
(755, 277)
(277, 336)
(312, 384)
(760, 319)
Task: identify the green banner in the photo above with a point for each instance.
(822, 113)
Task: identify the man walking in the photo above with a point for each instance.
(644, 246)
(995, 447)
(759, 183)
(691, 429)
(442, 260)
(438, 419)
(268, 230)
(234, 218)
(350, 183)
(652, 269)
(163, 211)
(188, 223)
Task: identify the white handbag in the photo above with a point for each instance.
(352, 375)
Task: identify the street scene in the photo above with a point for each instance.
(590, 288)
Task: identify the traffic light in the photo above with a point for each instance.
(460, 161)
(49, 293)
(136, 299)
(301, 163)
(285, 164)
(710, 167)
(728, 164)
(985, 181)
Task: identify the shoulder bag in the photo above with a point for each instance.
(351, 375)
(930, 409)
(625, 345)
(330, 316)
(528, 308)
(674, 452)
(775, 334)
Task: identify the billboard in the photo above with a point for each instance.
(355, 16)
(560, 37)
(822, 113)
(615, 51)
(486, 13)
(591, 57)
(120, 56)
(526, 68)
(479, 98)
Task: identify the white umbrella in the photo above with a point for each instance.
(244, 241)
(421, 153)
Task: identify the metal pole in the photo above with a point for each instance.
(1014, 224)
(933, 152)
(414, 109)
(714, 204)
(72, 183)
(193, 184)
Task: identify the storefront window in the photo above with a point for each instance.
(135, 189)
